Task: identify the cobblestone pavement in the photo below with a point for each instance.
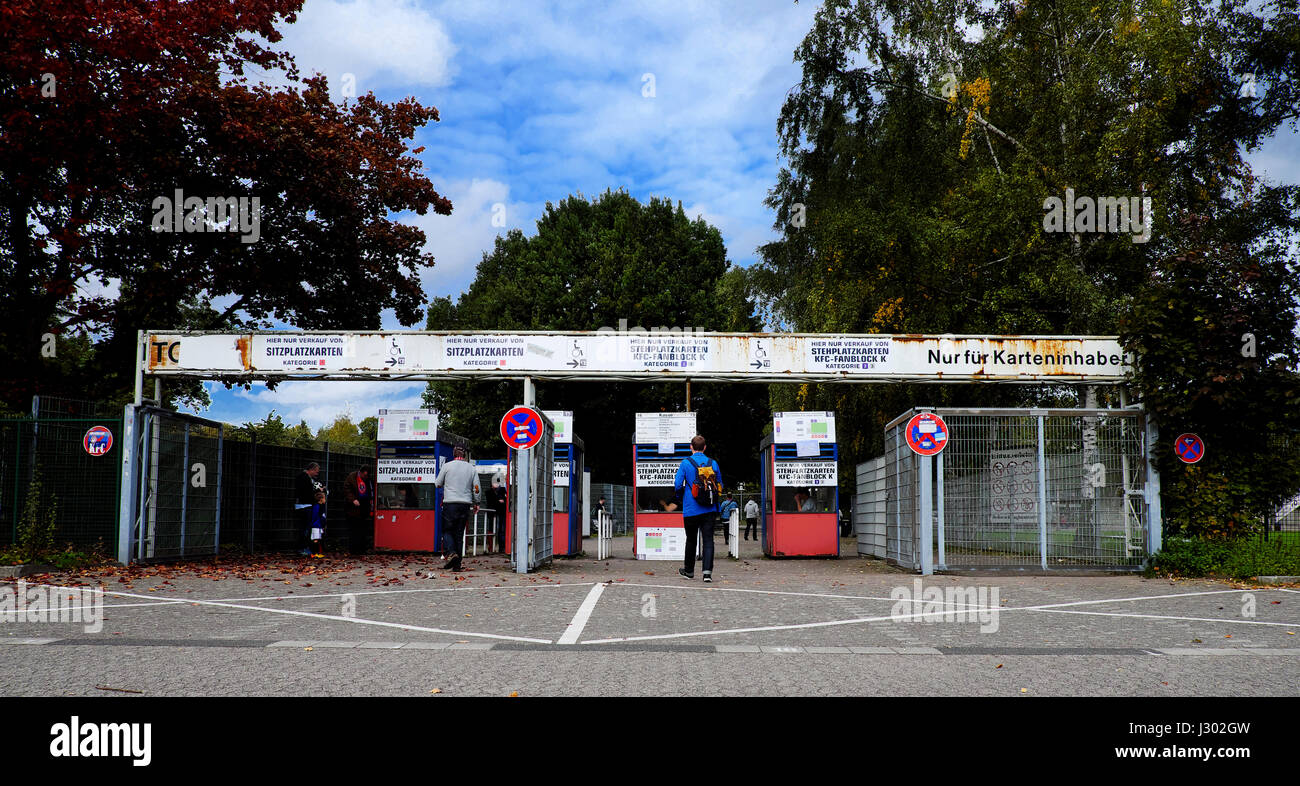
(398, 625)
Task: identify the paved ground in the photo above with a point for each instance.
(397, 625)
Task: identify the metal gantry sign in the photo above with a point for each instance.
(754, 357)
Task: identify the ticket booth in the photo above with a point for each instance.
(799, 489)
(493, 471)
(566, 485)
(410, 449)
(662, 441)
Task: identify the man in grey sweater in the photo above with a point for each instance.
(459, 483)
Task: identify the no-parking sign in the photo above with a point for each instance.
(926, 434)
(521, 428)
(1190, 448)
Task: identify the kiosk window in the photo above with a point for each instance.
(656, 499)
(560, 495)
(820, 499)
(405, 496)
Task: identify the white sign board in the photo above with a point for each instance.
(656, 473)
(791, 427)
(667, 543)
(806, 473)
(563, 421)
(1013, 486)
(633, 354)
(659, 428)
(396, 425)
(560, 473)
(406, 470)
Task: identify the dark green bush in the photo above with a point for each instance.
(1237, 559)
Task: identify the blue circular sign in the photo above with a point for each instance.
(521, 428)
(1190, 448)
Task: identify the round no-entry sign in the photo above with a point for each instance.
(98, 441)
(1190, 448)
(521, 428)
(926, 433)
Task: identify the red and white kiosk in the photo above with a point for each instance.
(799, 486)
(410, 449)
(662, 441)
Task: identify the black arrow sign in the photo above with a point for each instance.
(758, 364)
(574, 363)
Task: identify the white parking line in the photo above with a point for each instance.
(356, 620)
(579, 620)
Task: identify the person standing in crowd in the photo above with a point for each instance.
(699, 485)
(357, 509)
(304, 496)
(751, 519)
(724, 518)
(318, 514)
(459, 483)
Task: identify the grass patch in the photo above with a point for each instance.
(1240, 559)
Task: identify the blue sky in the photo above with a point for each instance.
(539, 100)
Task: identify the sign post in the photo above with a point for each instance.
(927, 436)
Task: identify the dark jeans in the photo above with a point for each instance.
(697, 527)
(304, 527)
(454, 517)
(361, 533)
(499, 530)
(751, 527)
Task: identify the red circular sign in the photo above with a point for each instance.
(521, 428)
(1189, 448)
(926, 433)
(98, 441)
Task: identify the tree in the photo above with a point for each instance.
(112, 110)
(271, 430)
(343, 432)
(590, 265)
(925, 139)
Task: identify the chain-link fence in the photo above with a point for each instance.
(1021, 489)
(77, 463)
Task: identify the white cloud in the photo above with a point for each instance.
(373, 40)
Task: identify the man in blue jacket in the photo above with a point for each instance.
(698, 513)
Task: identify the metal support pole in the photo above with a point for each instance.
(1155, 524)
(1042, 496)
(221, 441)
(523, 507)
(126, 514)
(139, 367)
(529, 393)
(943, 554)
(185, 483)
(688, 395)
(927, 518)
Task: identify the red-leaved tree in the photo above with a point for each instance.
(109, 108)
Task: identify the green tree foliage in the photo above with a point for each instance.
(925, 136)
(343, 432)
(591, 264)
(271, 430)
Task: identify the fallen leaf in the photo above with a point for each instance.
(1024, 690)
(514, 694)
(306, 649)
(436, 690)
(999, 665)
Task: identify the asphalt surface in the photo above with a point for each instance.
(399, 625)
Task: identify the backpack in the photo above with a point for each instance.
(705, 489)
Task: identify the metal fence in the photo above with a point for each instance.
(194, 490)
(1046, 489)
(868, 515)
(81, 488)
(618, 500)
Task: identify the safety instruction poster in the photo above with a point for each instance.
(1013, 486)
(668, 543)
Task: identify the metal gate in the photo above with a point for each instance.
(171, 495)
(1041, 489)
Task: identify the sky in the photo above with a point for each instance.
(540, 100)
